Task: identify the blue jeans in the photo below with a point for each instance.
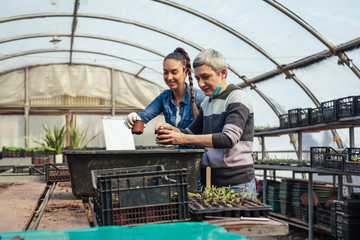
(248, 188)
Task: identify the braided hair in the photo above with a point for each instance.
(181, 55)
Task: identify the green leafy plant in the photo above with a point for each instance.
(54, 139)
(79, 138)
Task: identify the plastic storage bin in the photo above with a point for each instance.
(135, 196)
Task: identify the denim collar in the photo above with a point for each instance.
(186, 98)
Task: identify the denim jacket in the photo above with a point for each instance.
(165, 103)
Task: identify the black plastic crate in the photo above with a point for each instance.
(329, 111)
(57, 172)
(348, 206)
(305, 116)
(130, 197)
(323, 217)
(294, 117)
(352, 159)
(286, 208)
(284, 121)
(326, 157)
(316, 116)
(357, 106)
(346, 107)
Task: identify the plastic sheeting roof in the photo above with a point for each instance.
(286, 54)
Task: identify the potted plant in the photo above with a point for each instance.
(54, 141)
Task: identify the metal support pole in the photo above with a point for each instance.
(310, 206)
(300, 150)
(340, 187)
(274, 175)
(112, 93)
(26, 106)
(265, 187)
(351, 137)
(262, 148)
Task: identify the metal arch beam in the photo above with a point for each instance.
(222, 26)
(84, 36)
(73, 28)
(341, 55)
(87, 64)
(305, 61)
(80, 51)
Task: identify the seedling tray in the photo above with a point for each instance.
(249, 208)
(57, 172)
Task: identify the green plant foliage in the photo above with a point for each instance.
(54, 139)
(79, 138)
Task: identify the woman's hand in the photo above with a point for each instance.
(161, 126)
(170, 137)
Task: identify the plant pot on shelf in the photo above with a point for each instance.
(58, 158)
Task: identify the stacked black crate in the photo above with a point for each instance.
(285, 196)
(345, 219)
(297, 190)
(273, 190)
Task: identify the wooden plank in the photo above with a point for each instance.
(253, 228)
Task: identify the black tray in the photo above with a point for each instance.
(250, 209)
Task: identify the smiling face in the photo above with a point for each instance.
(208, 79)
(174, 73)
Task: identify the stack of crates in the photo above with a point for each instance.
(345, 219)
(285, 196)
(273, 190)
(140, 195)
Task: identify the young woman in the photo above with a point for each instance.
(181, 102)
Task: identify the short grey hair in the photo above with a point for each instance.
(211, 58)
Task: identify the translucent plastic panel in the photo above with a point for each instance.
(335, 20)
(21, 7)
(33, 44)
(264, 25)
(13, 134)
(344, 134)
(51, 25)
(328, 80)
(34, 59)
(285, 94)
(214, 37)
(264, 116)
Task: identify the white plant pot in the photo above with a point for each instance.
(58, 158)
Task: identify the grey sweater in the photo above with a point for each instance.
(229, 118)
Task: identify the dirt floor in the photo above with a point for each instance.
(18, 200)
(64, 210)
